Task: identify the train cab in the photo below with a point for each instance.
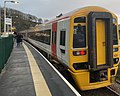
(94, 51)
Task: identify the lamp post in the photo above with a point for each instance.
(5, 13)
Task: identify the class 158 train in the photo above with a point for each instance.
(85, 41)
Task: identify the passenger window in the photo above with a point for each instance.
(62, 37)
(79, 36)
(42, 36)
(80, 20)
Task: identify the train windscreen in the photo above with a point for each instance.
(79, 36)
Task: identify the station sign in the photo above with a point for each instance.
(8, 21)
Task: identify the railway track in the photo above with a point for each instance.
(99, 92)
(115, 87)
(113, 91)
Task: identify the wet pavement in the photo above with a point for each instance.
(17, 79)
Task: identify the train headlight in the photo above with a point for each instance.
(78, 53)
(115, 49)
(116, 60)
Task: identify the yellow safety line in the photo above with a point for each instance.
(40, 85)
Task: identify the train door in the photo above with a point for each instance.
(100, 43)
(54, 36)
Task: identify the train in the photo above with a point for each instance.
(85, 41)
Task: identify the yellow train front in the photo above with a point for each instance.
(94, 51)
(86, 42)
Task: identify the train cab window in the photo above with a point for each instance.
(115, 39)
(62, 37)
(80, 20)
(79, 36)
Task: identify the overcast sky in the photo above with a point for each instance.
(50, 8)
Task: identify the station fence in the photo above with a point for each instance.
(6, 46)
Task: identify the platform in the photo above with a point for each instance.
(27, 73)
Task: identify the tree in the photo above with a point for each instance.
(21, 21)
(40, 20)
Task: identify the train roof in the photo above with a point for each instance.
(82, 10)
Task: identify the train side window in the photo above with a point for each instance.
(37, 35)
(62, 37)
(80, 20)
(46, 36)
(42, 38)
(79, 36)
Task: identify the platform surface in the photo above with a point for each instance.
(27, 73)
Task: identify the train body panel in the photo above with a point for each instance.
(44, 47)
(62, 41)
(54, 38)
(86, 41)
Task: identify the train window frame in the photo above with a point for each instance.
(47, 35)
(62, 37)
(75, 47)
(81, 19)
(43, 36)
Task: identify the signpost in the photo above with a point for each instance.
(8, 21)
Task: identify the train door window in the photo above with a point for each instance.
(54, 37)
(80, 20)
(79, 36)
(115, 39)
(62, 37)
